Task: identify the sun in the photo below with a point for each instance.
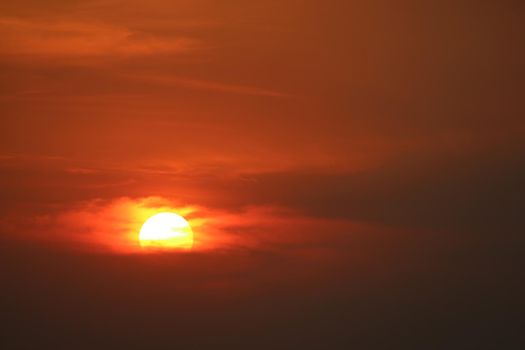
(166, 230)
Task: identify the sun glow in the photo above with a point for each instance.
(166, 230)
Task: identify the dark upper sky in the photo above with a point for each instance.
(353, 171)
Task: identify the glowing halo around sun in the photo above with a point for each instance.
(166, 231)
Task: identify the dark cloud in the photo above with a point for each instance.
(379, 291)
(475, 193)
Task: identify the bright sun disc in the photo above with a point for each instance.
(166, 230)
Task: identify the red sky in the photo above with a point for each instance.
(312, 144)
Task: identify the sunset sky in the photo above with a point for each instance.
(353, 173)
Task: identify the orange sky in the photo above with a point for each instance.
(199, 102)
(373, 113)
(330, 137)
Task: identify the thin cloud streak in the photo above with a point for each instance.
(208, 85)
(84, 39)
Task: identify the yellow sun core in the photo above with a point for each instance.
(166, 230)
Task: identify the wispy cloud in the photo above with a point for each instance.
(208, 85)
(114, 224)
(63, 38)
